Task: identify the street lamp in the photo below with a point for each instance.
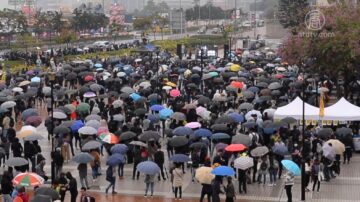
(52, 81)
(303, 142)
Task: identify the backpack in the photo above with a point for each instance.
(315, 169)
(109, 174)
(263, 165)
(12, 122)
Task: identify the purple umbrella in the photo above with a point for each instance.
(89, 94)
(34, 121)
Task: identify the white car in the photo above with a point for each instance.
(102, 44)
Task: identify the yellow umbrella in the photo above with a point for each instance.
(203, 175)
(235, 68)
(170, 84)
(338, 146)
(251, 62)
(26, 131)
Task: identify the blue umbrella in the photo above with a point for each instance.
(119, 149)
(154, 118)
(98, 65)
(182, 131)
(83, 157)
(202, 132)
(291, 167)
(219, 136)
(223, 171)
(249, 124)
(128, 69)
(148, 167)
(237, 117)
(180, 158)
(157, 108)
(115, 160)
(35, 79)
(253, 89)
(165, 113)
(76, 126)
(269, 131)
(135, 96)
(280, 149)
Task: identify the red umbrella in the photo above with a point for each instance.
(235, 148)
(88, 78)
(175, 93)
(237, 84)
(34, 121)
(279, 76)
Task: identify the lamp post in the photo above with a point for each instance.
(52, 80)
(157, 69)
(303, 142)
(202, 67)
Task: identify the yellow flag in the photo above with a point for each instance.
(321, 106)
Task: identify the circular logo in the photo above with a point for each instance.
(315, 20)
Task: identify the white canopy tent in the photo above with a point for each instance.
(295, 110)
(342, 111)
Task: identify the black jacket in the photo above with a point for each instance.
(159, 157)
(6, 186)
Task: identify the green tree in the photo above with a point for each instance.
(142, 23)
(66, 36)
(333, 50)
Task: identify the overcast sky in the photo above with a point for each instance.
(3, 4)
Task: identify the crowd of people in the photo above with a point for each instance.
(153, 106)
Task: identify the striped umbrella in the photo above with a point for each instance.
(109, 138)
(244, 163)
(28, 179)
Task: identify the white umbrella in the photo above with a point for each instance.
(59, 115)
(253, 112)
(87, 130)
(244, 163)
(17, 89)
(8, 104)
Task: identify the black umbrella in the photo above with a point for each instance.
(47, 191)
(289, 120)
(198, 145)
(220, 127)
(149, 135)
(71, 76)
(325, 133)
(61, 130)
(140, 111)
(178, 141)
(127, 135)
(343, 131)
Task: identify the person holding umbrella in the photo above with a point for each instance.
(72, 187)
(230, 191)
(289, 182)
(149, 182)
(178, 178)
(82, 168)
(110, 178)
(216, 188)
(159, 160)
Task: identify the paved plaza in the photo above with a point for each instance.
(343, 188)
